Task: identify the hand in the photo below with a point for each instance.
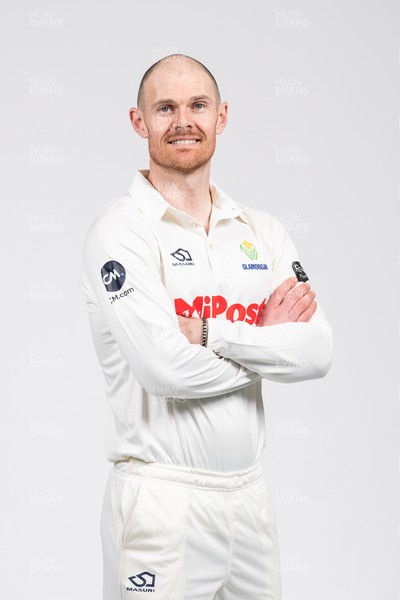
(192, 328)
(288, 304)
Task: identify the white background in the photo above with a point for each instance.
(313, 138)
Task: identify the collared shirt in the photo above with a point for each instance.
(171, 401)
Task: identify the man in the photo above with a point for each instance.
(193, 299)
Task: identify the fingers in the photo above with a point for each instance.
(301, 305)
(295, 294)
(279, 294)
(301, 301)
(308, 313)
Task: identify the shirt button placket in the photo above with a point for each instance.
(211, 255)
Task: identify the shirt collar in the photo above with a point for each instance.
(154, 206)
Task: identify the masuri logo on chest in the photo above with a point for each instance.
(210, 307)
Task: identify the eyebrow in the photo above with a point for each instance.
(171, 101)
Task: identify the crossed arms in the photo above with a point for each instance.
(285, 305)
(152, 338)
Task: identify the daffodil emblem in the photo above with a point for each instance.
(249, 249)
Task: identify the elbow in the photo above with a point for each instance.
(323, 353)
(173, 374)
(165, 381)
(316, 369)
(163, 385)
(312, 361)
(327, 355)
(321, 368)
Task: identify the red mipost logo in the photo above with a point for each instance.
(210, 307)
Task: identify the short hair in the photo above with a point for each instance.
(170, 57)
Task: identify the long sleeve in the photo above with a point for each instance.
(287, 352)
(141, 317)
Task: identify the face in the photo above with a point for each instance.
(180, 117)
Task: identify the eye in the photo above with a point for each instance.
(161, 109)
(201, 104)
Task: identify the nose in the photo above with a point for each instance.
(182, 129)
(181, 120)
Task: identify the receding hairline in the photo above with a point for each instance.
(171, 58)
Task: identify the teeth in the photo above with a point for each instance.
(184, 142)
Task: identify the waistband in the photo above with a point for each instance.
(230, 480)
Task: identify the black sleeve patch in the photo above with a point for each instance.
(299, 271)
(113, 275)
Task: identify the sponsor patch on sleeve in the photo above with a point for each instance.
(113, 275)
(299, 271)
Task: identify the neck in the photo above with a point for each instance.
(189, 192)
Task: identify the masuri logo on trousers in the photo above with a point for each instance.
(145, 581)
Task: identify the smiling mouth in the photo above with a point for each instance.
(190, 142)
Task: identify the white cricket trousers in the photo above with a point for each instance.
(188, 534)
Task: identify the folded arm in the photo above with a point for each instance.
(291, 343)
(141, 317)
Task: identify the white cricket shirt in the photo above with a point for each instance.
(171, 401)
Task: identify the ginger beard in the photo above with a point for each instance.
(181, 158)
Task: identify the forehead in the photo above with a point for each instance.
(178, 82)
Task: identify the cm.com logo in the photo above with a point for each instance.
(113, 275)
(213, 306)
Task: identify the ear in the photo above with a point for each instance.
(137, 120)
(222, 117)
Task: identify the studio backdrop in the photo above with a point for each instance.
(312, 138)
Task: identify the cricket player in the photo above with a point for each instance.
(193, 299)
